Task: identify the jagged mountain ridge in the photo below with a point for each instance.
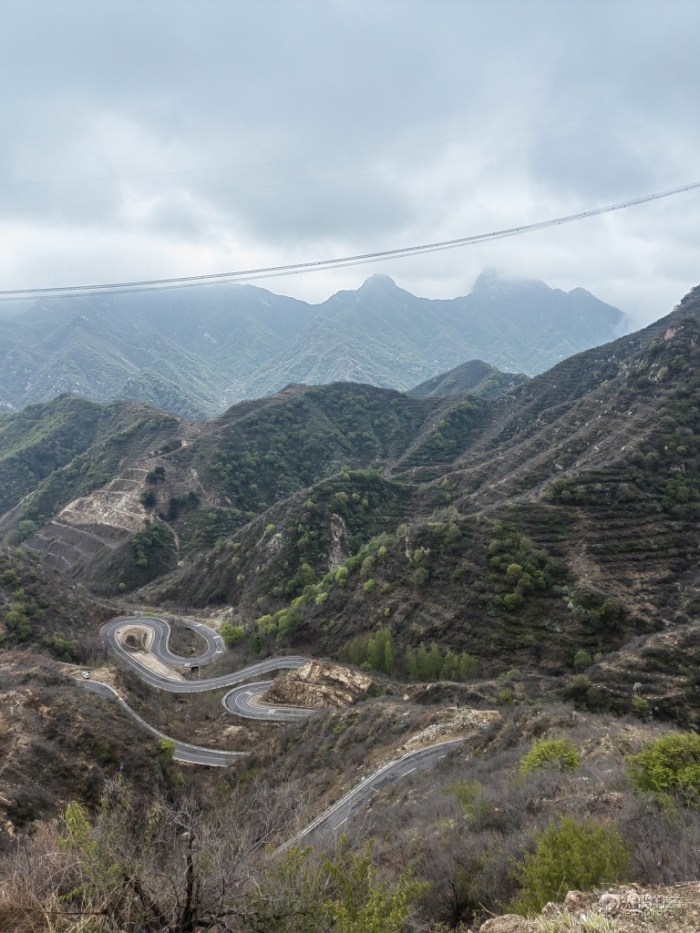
(195, 352)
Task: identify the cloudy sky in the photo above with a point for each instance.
(145, 139)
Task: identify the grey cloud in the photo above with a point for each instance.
(354, 103)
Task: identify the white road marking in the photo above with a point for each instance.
(408, 772)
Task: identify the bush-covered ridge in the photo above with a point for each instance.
(538, 532)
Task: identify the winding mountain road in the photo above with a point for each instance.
(334, 818)
(184, 751)
(159, 649)
(244, 700)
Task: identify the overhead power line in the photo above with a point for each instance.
(269, 272)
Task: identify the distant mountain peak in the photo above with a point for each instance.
(379, 281)
(490, 279)
(195, 353)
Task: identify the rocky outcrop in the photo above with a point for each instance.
(318, 684)
(621, 909)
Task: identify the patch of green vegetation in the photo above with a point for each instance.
(40, 439)
(669, 767)
(204, 526)
(570, 856)
(23, 612)
(152, 551)
(166, 750)
(433, 665)
(231, 634)
(278, 450)
(560, 754)
(67, 649)
(38, 606)
(181, 504)
(460, 427)
(374, 652)
(258, 642)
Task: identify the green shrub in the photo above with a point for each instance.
(471, 798)
(367, 565)
(153, 547)
(67, 649)
(25, 529)
(10, 578)
(582, 661)
(421, 576)
(569, 856)
(513, 573)
(341, 576)
(431, 666)
(257, 642)
(166, 750)
(303, 577)
(369, 585)
(669, 766)
(512, 601)
(468, 667)
(641, 708)
(551, 753)
(505, 698)
(231, 634)
(380, 651)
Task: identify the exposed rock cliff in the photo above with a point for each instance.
(319, 684)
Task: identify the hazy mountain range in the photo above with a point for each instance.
(195, 352)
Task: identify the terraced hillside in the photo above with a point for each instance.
(558, 519)
(555, 522)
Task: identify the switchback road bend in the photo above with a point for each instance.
(244, 699)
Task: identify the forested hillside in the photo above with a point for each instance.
(523, 530)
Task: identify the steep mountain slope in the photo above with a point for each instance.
(200, 483)
(558, 518)
(196, 351)
(384, 335)
(37, 443)
(555, 519)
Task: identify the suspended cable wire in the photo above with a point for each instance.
(269, 272)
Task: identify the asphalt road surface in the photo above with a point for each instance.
(245, 701)
(159, 649)
(333, 819)
(193, 754)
